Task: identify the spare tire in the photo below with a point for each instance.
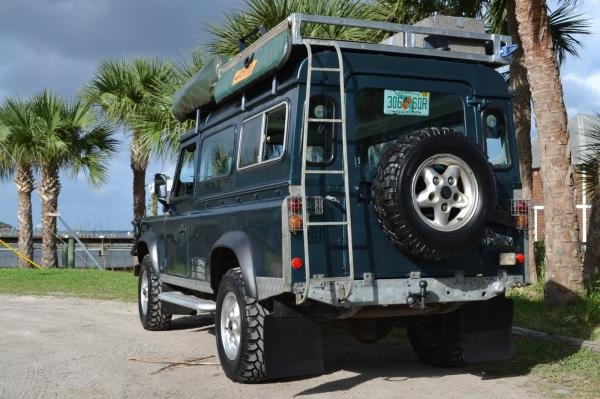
(433, 192)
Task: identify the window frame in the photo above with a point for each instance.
(482, 116)
(263, 114)
(334, 135)
(234, 155)
(176, 182)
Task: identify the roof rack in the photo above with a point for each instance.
(500, 45)
(219, 79)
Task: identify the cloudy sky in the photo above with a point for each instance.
(57, 44)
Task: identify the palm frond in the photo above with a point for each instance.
(253, 14)
(566, 24)
(589, 161)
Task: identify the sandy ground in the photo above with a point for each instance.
(76, 348)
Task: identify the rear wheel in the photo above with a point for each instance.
(153, 314)
(435, 339)
(240, 330)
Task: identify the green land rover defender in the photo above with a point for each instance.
(330, 179)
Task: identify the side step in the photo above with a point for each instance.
(188, 301)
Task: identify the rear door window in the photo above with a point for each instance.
(496, 137)
(385, 115)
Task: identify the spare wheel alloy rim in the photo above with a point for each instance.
(444, 192)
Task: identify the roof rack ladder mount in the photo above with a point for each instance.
(343, 285)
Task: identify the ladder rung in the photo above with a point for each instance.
(327, 223)
(319, 120)
(326, 69)
(325, 172)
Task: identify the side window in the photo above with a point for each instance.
(274, 136)
(321, 134)
(263, 137)
(250, 141)
(496, 137)
(184, 183)
(216, 155)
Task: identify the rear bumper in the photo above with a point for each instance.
(396, 291)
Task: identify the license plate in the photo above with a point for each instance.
(401, 102)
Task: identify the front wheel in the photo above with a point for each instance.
(239, 329)
(153, 314)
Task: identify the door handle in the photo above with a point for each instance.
(182, 229)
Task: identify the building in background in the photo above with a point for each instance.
(578, 125)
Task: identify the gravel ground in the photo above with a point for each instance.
(76, 348)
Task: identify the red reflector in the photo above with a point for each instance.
(297, 263)
(520, 258)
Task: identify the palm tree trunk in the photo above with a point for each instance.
(139, 163)
(591, 263)
(24, 183)
(49, 190)
(522, 116)
(564, 272)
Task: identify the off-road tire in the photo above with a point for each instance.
(156, 317)
(435, 339)
(393, 197)
(249, 364)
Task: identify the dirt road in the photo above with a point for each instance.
(75, 348)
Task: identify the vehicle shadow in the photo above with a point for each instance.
(195, 323)
(392, 359)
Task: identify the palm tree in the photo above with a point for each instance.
(565, 23)
(564, 268)
(158, 129)
(119, 89)
(590, 176)
(411, 11)
(68, 137)
(245, 22)
(16, 128)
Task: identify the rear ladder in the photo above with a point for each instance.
(343, 285)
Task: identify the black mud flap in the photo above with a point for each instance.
(486, 330)
(292, 347)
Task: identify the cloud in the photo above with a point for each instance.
(582, 92)
(57, 44)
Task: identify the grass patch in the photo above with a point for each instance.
(580, 319)
(557, 369)
(83, 283)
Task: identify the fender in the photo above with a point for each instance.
(240, 244)
(149, 239)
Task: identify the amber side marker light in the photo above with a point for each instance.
(295, 223)
(296, 263)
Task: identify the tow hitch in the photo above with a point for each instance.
(418, 300)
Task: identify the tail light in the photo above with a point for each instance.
(519, 209)
(314, 206)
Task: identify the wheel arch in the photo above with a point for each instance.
(146, 245)
(234, 249)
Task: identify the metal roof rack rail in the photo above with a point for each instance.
(500, 45)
